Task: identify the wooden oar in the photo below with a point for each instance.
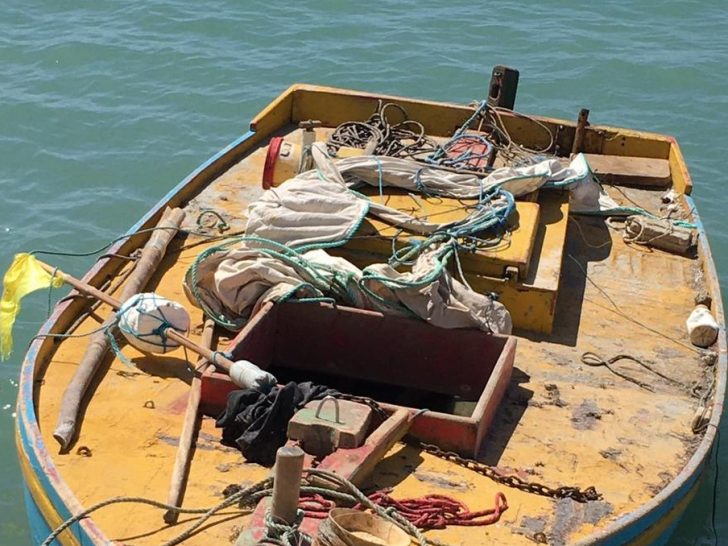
(216, 358)
(151, 256)
(184, 448)
(356, 464)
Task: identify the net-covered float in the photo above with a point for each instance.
(466, 325)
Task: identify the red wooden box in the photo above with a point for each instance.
(381, 356)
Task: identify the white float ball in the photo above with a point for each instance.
(143, 320)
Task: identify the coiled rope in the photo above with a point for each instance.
(407, 138)
(381, 136)
(247, 497)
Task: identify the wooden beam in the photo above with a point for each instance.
(151, 256)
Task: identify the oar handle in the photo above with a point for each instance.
(81, 286)
(216, 358)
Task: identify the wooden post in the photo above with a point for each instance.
(287, 484)
(503, 87)
(151, 256)
(581, 124)
(184, 448)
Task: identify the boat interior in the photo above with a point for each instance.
(598, 385)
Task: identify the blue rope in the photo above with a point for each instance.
(215, 354)
(439, 156)
(117, 351)
(466, 156)
(419, 184)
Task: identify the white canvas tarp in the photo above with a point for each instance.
(282, 255)
(317, 207)
(238, 281)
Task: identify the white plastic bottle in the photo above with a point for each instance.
(702, 327)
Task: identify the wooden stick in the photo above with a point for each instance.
(581, 124)
(151, 256)
(189, 426)
(287, 484)
(218, 359)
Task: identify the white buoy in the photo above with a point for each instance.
(143, 319)
(702, 327)
(247, 375)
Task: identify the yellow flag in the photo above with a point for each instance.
(25, 275)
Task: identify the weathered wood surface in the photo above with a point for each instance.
(630, 171)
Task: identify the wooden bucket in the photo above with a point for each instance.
(348, 527)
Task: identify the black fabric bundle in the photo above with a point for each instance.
(256, 423)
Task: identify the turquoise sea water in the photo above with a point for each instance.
(105, 105)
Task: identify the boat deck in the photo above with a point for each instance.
(561, 422)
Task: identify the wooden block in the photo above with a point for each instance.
(658, 233)
(339, 424)
(356, 464)
(630, 171)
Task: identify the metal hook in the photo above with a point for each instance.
(336, 407)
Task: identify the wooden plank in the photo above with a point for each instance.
(631, 171)
(356, 464)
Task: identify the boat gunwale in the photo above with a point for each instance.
(28, 425)
(30, 433)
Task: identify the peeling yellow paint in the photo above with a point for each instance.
(561, 422)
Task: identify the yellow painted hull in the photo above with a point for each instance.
(139, 461)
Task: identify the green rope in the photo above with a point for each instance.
(321, 282)
(221, 225)
(285, 534)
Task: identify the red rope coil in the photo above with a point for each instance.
(428, 512)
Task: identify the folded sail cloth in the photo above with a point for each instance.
(317, 208)
(288, 227)
(232, 284)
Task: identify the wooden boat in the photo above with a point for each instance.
(572, 286)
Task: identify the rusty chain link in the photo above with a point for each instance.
(511, 480)
(378, 410)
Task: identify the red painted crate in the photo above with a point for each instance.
(348, 346)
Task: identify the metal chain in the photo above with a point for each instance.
(378, 410)
(511, 480)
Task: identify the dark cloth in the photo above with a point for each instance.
(256, 423)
